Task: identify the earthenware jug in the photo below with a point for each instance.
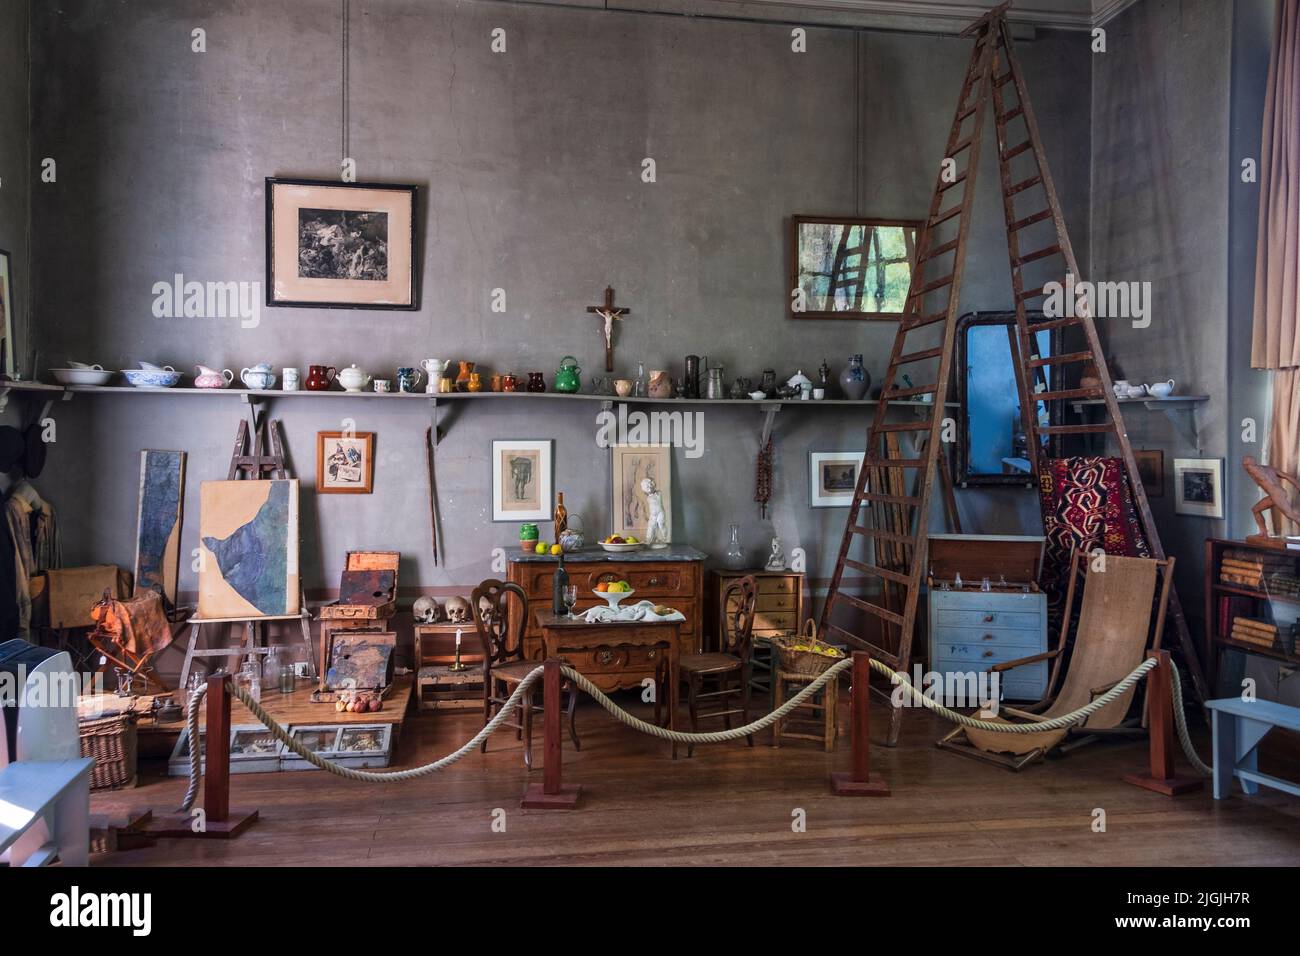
(257, 377)
(855, 380)
(211, 378)
(475, 382)
(567, 375)
(661, 384)
(353, 379)
(319, 377)
(462, 376)
(509, 382)
(408, 379)
(536, 382)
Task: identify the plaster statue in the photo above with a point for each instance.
(775, 560)
(656, 532)
(1275, 498)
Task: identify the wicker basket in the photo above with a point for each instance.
(111, 741)
(805, 663)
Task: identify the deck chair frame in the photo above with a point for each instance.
(1076, 736)
(139, 667)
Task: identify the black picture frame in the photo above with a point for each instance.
(907, 225)
(272, 302)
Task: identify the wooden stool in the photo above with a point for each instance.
(822, 713)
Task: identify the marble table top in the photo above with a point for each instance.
(674, 552)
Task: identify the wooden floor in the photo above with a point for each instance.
(728, 805)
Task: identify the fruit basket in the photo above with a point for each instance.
(803, 653)
(612, 598)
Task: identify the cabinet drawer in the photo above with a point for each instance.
(1024, 642)
(782, 601)
(1027, 619)
(615, 659)
(1024, 683)
(648, 580)
(980, 655)
(777, 586)
(774, 620)
(989, 600)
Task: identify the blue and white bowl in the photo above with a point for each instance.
(152, 377)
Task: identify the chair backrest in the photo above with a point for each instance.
(47, 721)
(500, 631)
(738, 619)
(1115, 628)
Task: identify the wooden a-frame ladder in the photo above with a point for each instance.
(882, 511)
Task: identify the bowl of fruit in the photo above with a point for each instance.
(614, 591)
(619, 543)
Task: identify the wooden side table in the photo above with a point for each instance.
(448, 689)
(829, 699)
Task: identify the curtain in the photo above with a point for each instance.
(1276, 331)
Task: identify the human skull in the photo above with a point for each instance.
(457, 609)
(425, 610)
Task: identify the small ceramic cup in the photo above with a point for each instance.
(623, 386)
(290, 381)
(383, 385)
(819, 394)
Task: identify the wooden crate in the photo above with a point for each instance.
(361, 570)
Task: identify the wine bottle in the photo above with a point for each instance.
(558, 584)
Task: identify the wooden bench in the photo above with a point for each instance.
(1239, 725)
(32, 789)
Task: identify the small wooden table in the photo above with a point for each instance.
(615, 656)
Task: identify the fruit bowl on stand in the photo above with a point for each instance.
(612, 598)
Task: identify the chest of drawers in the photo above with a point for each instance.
(970, 631)
(777, 610)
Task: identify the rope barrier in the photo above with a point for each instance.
(1056, 723)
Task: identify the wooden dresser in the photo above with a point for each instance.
(778, 610)
(672, 576)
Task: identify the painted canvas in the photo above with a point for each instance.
(851, 268)
(833, 476)
(249, 555)
(630, 465)
(158, 521)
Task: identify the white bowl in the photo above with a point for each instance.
(152, 378)
(81, 376)
(613, 597)
(622, 548)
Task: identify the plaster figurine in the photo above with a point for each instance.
(775, 560)
(656, 532)
(1275, 498)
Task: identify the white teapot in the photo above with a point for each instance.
(433, 371)
(1162, 389)
(353, 379)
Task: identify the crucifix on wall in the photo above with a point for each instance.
(609, 314)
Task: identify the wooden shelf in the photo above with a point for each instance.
(1269, 652)
(1257, 595)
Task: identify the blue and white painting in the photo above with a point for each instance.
(158, 519)
(249, 533)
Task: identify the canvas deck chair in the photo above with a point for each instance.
(1114, 632)
(131, 634)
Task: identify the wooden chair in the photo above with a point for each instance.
(504, 665)
(1113, 635)
(728, 670)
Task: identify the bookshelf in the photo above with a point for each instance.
(1252, 602)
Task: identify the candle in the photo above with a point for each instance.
(457, 638)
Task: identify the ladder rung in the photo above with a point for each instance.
(908, 392)
(938, 251)
(879, 653)
(884, 499)
(879, 572)
(1073, 429)
(967, 112)
(925, 320)
(917, 426)
(1004, 79)
(921, 356)
(956, 182)
(878, 462)
(1056, 323)
(1063, 359)
(931, 286)
(945, 216)
(1031, 294)
(1023, 185)
(1015, 151)
(1030, 220)
(867, 606)
(1011, 114)
(1039, 254)
(1089, 392)
(964, 144)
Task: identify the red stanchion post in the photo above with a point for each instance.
(1160, 716)
(551, 794)
(859, 782)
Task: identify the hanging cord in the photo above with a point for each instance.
(345, 72)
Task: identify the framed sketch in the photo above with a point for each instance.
(630, 465)
(7, 314)
(1198, 487)
(850, 268)
(832, 477)
(345, 463)
(340, 245)
(1151, 468)
(522, 479)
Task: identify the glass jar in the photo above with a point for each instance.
(735, 555)
(287, 679)
(271, 666)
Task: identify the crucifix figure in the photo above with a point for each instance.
(609, 314)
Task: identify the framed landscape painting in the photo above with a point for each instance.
(340, 245)
(832, 477)
(1198, 487)
(850, 268)
(521, 479)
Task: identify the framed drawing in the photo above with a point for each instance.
(850, 268)
(248, 559)
(1198, 487)
(340, 245)
(7, 314)
(158, 521)
(1151, 468)
(345, 463)
(521, 479)
(630, 465)
(832, 477)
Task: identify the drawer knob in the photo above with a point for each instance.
(606, 656)
(653, 581)
(988, 653)
(988, 618)
(987, 637)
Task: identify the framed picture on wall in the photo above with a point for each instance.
(1198, 487)
(340, 245)
(630, 466)
(522, 479)
(1151, 468)
(345, 463)
(7, 314)
(850, 268)
(832, 477)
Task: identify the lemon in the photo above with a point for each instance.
(541, 548)
(556, 549)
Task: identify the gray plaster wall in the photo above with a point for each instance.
(529, 164)
(1160, 182)
(15, 179)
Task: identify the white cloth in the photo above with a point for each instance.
(641, 611)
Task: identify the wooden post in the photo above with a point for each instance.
(551, 794)
(1160, 713)
(859, 782)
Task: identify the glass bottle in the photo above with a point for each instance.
(271, 667)
(561, 516)
(639, 388)
(735, 556)
(559, 581)
(287, 681)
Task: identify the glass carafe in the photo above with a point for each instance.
(735, 556)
